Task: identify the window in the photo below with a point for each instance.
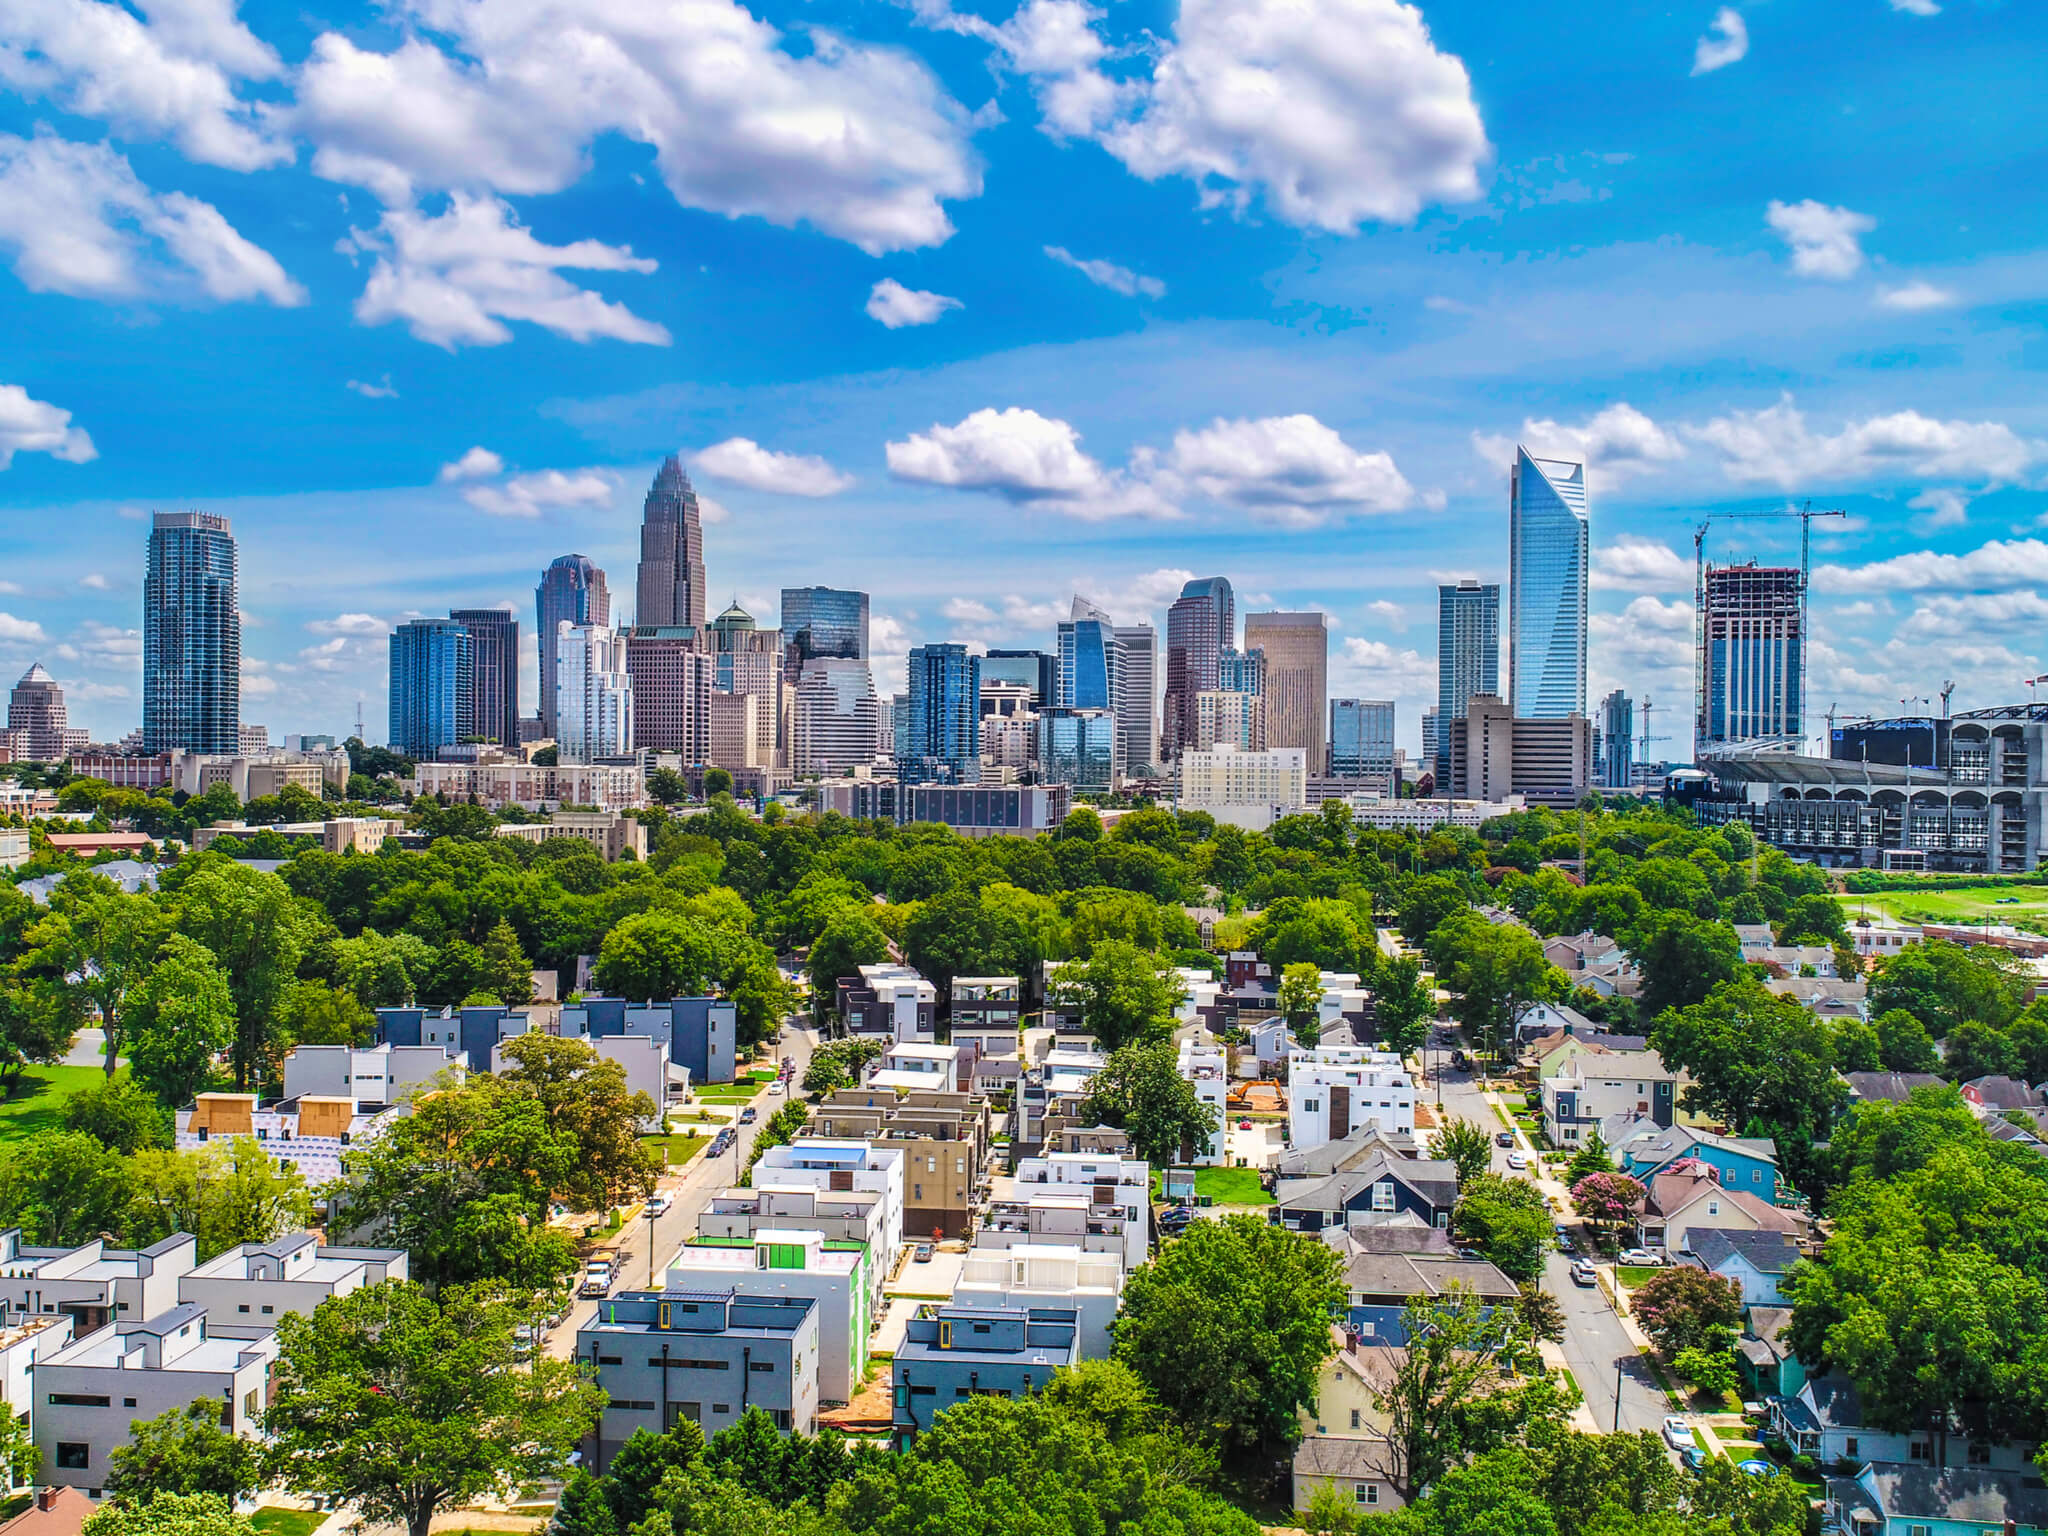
(1311, 1104)
(249, 1400)
(721, 1407)
(1980, 1455)
(1756, 1175)
(127, 1402)
(72, 1456)
(243, 1307)
(1354, 1418)
(917, 1191)
(1849, 1446)
(609, 1360)
(1917, 1451)
(268, 1310)
(80, 1400)
(1917, 1530)
(1383, 1195)
(1713, 1207)
(959, 1165)
(765, 1367)
(1368, 1493)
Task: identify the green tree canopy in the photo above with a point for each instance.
(1142, 1091)
(1507, 1220)
(180, 1019)
(182, 1450)
(1121, 994)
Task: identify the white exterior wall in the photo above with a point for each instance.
(812, 1160)
(21, 1347)
(1207, 1067)
(1082, 1171)
(377, 1074)
(1382, 1093)
(1047, 1275)
(830, 1286)
(1225, 776)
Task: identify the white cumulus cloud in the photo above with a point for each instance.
(382, 390)
(95, 581)
(527, 496)
(455, 278)
(1292, 468)
(20, 631)
(1917, 7)
(360, 625)
(1107, 274)
(1386, 671)
(1026, 458)
(1945, 507)
(1614, 443)
(28, 425)
(1826, 242)
(743, 461)
(1633, 563)
(2001, 565)
(1776, 447)
(477, 464)
(1726, 41)
(78, 220)
(1916, 296)
(897, 306)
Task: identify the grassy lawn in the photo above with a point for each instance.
(1231, 1186)
(1700, 1440)
(677, 1149)
(37, 1103)
(276, 1520)
(1633, 1275)
(1990, 902)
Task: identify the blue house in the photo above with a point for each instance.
(1381, 1285)
(952, 1353)
(699, 1032)
(1380, 1187)
(1895, 1499)
(1643, 1148)
(1764, 1357)
(468, 1032)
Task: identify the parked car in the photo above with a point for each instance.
(1694, 1458)
(1565, 1243)
(1175, 1220)
(1583, 1273)
(657, 1205)
(1244, 1125)
(923, 1253)
(777, 1086)
(720, 1144)
(1460, 1060)
(1642, 1258)
(1504, 1138)
(1518, 1160)
(1677, 1433)
(749, 1115)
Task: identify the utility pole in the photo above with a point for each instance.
(1617, 1395)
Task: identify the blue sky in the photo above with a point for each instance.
(978, 308)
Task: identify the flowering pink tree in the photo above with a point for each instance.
(1607, 1199)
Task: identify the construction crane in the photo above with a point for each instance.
(1649, 705)
(1806, 512)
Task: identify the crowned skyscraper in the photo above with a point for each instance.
(671, 590)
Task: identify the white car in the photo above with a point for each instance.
(1642, 1258)
(1678, 1434)
(777, 1087)
(657, 1205)
(1518, 1160)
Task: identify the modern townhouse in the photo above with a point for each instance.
(837, 1276)
(248, 1289)
(1590, 1089)
(950, 1353)
(1336, 1091)
(92, 1284)
(1036, 1277)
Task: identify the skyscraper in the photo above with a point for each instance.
(1200, 626)
(191, 637)
(1137, 707)
(672, 681)
(671, 586)
(37, 721)
(494, 642)
(1547, 560)
(1078, 747)
(594, 693)
(1297, 647)
(822, 621)
(1242, 672)
(836, 720)
(1037, 670)
(944, 718)
(1362, 740)
(1753, 628)
(1467, 660)
(1089, 675)
(571, 591)
(1614, 742)
(433, 686)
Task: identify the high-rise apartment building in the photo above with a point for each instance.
(494, 643)
(1753, 629)
(1362, 740)
(943, 721)
(671, 585)
(1548, 559)
(1228, 718)
(672, 681)
(1297, 647)
(1137, 706)
(433, 686)
(1037, 670)
(1200, 626)
(571, 591)
(593, 693)
(822, 621)
(1614, 742)
(1495, 754)
(38, 724)
(1467, 661)
(835, 719)
(191, 637)
(1242, 672)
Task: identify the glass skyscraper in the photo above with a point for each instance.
(571, 591)
(1547, 561)
(1362, 740)
(1467, 661)
(1078, 747)
(433, 686)
(943, 719)
(1200, 627)
(191, 637)
(1614, 742)
(671, 577)
(1089, 671)
(1037, 670)
(494, 638)
(822, 621)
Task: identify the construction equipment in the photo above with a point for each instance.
(1806, 512)
(1649, 705)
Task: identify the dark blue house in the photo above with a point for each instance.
(1380, 1187)
(952, 1353)
(469, 1032)
(700, 1032)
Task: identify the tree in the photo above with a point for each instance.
(655, 956)
(665, 786)
(1301, 1000)
(1753, 1055)
(313, 1013)
(850, 940)
(1317, 931)
(1541, 1315)
(404, 1405)
(1229, 1326)
(1507, 1220)
(1608, 1199)
(1903, 1044)
(1711, 1371)
(1591, 1157)
(1466, 1146)
(38, 1023)
(109, 939)
(1684, 958)
(19, 1457)
(63, 1188)
(507, 973)
(838, 1064)
(717, 781)
(1330, 1512)
(1403, 1004)
(225, 1193)
(1946, 985)
(1685, 1308)
(1121, 994)
(183, 1450)
(169, 1514)
(1142, 1091)
(1499, 973)
(587, 1108)
(1429, 903)
(180, 1019)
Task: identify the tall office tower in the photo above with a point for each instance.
(671, 586)
(571, 591)
(494, 640)
(1614, 742)
(1037, 670)
(1433, 742)
(1297, 647)
(1547, 562)
(836, 720)
(38, 720)
(748, 658)
(1362, 740)
(1242, 672)
(1091, 662)
(593, 693)
(433, 686)
(1753, 638)
(822, 621)
(1137, 704)
(672, 681)
(1228, 718)
(897, 716)
(1078, 747)
(191, 637)
(1200, 626)
(1467, 660)
(944, 718)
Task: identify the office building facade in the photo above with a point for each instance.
(1200, 626)
(1362, 740)
(671, 577)
(38, 724)
(1467, 661)
(191, 637)
(1548, 555)
(593, 694)
(1495, 753)
(1037, 670)
(1753, 663)
(835, 719)
(1090, 662)
(672, 682)
(943, 720)
(1226, 718)
(1297, 663)
(572, 591)
(494, 649)
(1078, 747)
(1614, 742)
(822, 621)
(433, 686)
(1137, 709)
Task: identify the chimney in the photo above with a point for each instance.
(46, 1500)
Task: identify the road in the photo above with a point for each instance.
(690, 1194)
(1594, 1340)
